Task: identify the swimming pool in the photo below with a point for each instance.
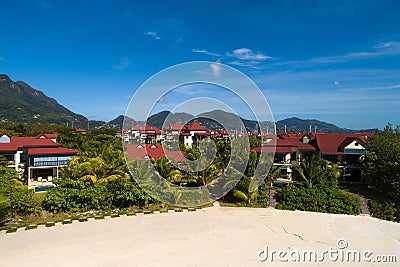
(44, 188)
(279, 184)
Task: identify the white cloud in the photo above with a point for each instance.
(375, 88)
(390, 44)
(124, 63)
(216, 68)
(248, 54)
(385, 49)
(250, 64)
(155, 35)
(244, 57)
(203, 51)
(336, 83)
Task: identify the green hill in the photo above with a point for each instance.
(21, 103)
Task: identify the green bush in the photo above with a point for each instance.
(19, 198)
(318, 199)
(22, 201)
(4, 204)
(83, 195)
(384, 210)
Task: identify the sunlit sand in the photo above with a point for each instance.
(209, 237)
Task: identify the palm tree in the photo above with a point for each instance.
(313, 171)
(241, 191)
(167, 170)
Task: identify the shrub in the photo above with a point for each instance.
(83, 195)
(384, 210)
(4, 204)
(19, 198)
(22, 202)
(318, 199)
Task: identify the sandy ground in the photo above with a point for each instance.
(208, 237)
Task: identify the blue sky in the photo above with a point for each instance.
(337, 61)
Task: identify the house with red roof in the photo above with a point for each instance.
(146, 134)
(172, 131)
(79, 131)
(341, 147)
(304, 149)
(173, 128)
(193, 133)
(345, 149)
(152, 151)
(39, 157)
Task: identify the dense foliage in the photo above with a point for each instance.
(318, 199)
(316, 190)
(382, 168)
(313, 171)
(97, 178)
(83, 194)
(14, 198)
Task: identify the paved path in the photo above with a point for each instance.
(364, 205)
(271, 198)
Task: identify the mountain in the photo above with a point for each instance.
(119, 121)
(292, 124)
(157, 120)
(299, 125)
(21, 103)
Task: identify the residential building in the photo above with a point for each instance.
(152, 151)
(145, 134)
(193, 133)
(344, 149)
(39, 157)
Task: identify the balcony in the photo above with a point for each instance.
(50, 163)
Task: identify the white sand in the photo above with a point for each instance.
(209, 237)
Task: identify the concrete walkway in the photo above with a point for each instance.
(364, 205)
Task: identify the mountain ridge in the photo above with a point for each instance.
(293, 124)
(19, 102)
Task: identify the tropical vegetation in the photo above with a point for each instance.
(382, 169)
(98, 178)
(315, 189)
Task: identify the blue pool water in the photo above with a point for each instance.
(279, 184)
(44, 188)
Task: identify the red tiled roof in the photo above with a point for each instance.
(177, 126)
(137, 127)
(51, 151)
(20, 142)
(363, 136)
(79, 130)
(329, 143)
(195, 126)
(302, 146)
(147, 129)
(147, 151)
(224, 132)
